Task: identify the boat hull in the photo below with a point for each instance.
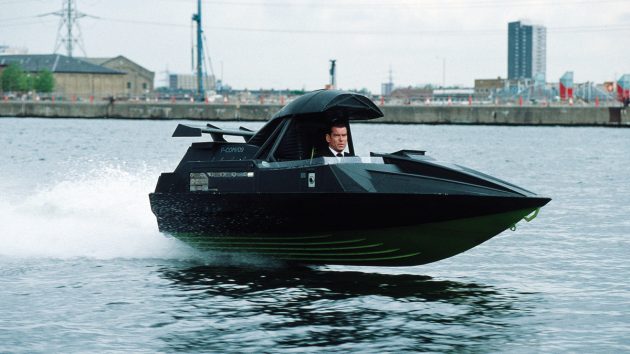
(395, 246)
(349, 229)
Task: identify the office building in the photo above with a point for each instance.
(527, 51)
(189, 82)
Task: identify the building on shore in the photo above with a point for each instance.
(188, 82)
(527, 51)
(486, 89)
(73, 77)
(451, 95)
(565, 87)
(564, 91)
(5, 49)
(387, 88)
(409, 95)
(102, 78)
(623, 89)
(138, 80)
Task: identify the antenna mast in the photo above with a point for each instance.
(333, 74)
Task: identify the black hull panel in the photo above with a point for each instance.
(230, 214)
(402, 230)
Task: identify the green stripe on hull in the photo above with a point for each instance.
(245, 238)
(291, 255)
(352, 261)
(279, 244)
(257, 249)
(400, 246)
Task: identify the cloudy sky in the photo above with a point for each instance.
(288, 43)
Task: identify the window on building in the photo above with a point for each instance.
(144, 85)
(129, 85)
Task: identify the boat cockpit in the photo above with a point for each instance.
(297, 132)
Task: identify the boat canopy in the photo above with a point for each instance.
(298, 130)
(334, 104)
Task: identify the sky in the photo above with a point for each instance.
(287, 44)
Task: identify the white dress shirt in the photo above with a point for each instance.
(335, 152)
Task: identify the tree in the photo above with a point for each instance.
(14, 79)
(44, 82)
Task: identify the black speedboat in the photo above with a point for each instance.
(273, 195)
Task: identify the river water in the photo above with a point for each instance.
(84, 269)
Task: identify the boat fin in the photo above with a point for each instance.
(186, 131)
(216, 136)
(215, 132)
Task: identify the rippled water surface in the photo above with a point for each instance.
(84, 269)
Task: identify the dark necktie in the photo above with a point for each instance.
(339, 154)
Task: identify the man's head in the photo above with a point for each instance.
(337, 137)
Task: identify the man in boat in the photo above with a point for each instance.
(337, 139)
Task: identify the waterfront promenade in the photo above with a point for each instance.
(405, 114)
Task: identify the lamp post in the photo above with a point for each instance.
(443, 70)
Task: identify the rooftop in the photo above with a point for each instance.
(56, 63)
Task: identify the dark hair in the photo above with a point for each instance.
(337, 124)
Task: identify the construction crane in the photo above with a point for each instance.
(199, 67)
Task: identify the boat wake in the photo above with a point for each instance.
(102, 214)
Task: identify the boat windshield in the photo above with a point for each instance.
(352, 159)
(323, 161)
(305, 139)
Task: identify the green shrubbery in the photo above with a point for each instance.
(14, 79)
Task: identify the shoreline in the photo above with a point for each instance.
(436, 115)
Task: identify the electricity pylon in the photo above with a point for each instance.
(68, 32)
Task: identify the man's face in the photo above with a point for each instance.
(337, 138)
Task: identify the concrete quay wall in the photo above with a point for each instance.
(126, 110)
(508, 115)
(503, 115)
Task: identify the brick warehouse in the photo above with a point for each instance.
(82, 77)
